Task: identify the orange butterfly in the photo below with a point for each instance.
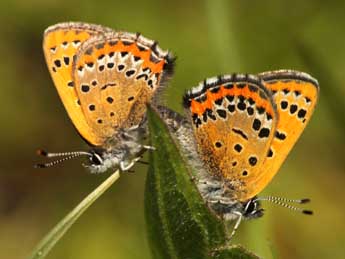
(239, 130)
(105, 79)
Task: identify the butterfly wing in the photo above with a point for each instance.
(295, 94)
(60, 46)
(234, 120)
(116, 75)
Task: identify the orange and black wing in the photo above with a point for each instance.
(234, 120)
(116, 74)
(60, 45)
(295, 95)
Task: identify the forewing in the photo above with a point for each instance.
(295, 94)
(60, 45)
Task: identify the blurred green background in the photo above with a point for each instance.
(209, 38)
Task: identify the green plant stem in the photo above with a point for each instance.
(49, 241)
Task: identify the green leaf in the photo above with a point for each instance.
(179, 224)
(49, 241)
(237, 252)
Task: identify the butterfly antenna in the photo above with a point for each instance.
(283, 202)
(44, 153)
(66, 156)
(300, 201)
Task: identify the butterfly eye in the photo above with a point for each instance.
(96, 159)
(251, 207)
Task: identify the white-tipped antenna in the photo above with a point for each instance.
(283, 202)
(66, 156)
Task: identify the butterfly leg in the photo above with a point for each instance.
(238, 222)
(126, 167)
(146, 147)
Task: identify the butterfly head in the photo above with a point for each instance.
(252, 209)
(232, 209)
(119, 151)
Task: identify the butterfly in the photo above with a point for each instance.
(105, 79)
(238, 131)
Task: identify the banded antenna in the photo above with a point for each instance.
(284, 203)
(65, 156)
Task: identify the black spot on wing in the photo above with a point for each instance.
(241, 104)
(85, 88)
(129, 73)
(110, 99)
(66, 60)
(283, 105)
(231, 108)
(264, 133)
(101, 68)
(260, 110)
(218, 144)
(256, 124)
(230, 98)
(238, 148)
(301, 113)
(240, 132)
(110, 65)
(219, 101)
(221, 113)
(57, 63)
(123, 54)
(142, 76)
(252, 160)
(293, 108)
(92, 107)
(90, 64)
(280, 135)
(250, 111)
